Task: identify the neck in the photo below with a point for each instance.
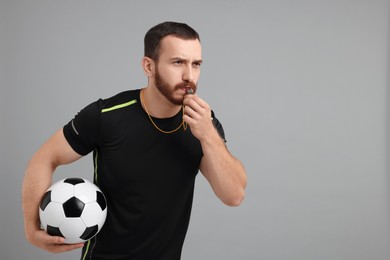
(157, 105)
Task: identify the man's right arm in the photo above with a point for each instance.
(38, 178)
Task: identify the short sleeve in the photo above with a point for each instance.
(82, 132)
(218, 126)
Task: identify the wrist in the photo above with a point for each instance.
(211, 140)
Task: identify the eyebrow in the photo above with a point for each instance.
(184, 59)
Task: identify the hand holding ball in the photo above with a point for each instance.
(73, 208)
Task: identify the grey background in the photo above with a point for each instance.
(302, 89)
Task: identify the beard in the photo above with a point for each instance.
(168, 91)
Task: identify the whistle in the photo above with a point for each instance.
(190, 91)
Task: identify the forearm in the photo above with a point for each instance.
(37, 179)
(224, 172)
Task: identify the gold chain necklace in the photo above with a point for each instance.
(154, 124)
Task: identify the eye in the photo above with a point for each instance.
(178, 62)
(196, 64)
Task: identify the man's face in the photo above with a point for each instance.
(178, 68)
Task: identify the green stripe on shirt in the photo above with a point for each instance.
(119, 106)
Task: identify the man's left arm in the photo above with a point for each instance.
(224, 172)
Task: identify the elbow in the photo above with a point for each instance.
(236, 200)
(237, 197)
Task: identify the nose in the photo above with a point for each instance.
(188, 74)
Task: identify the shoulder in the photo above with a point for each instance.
(120, 100)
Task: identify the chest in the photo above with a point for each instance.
(133, 150)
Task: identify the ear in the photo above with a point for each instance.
(148, 66)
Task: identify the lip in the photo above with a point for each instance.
(186, 90)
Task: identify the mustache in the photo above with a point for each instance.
(184, 84)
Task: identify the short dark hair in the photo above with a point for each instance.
(154, 36)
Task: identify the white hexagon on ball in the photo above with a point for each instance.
(53, 214)
(86, 192)
(90, 212)
(61, 192)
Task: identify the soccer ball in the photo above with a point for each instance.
(73, 208)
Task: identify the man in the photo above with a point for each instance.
(148, 146)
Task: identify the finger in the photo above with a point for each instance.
(198, 100)
(192, 108)
(60, 241)
(63, 248)
(57, 244)
(195, 104)
(56, 240)
(58, 248)
(45, 238)
(68, 247)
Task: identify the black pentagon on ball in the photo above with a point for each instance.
(54, 231)
(101, 200)
(74, 181)
(89, 232)
(45, 200)
(73, 207)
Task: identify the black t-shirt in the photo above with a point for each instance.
(147, 177)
